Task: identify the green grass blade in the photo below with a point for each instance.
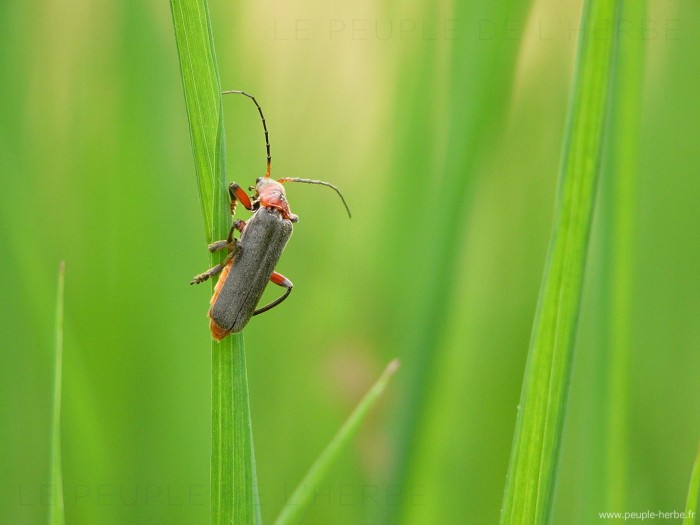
(302, 495)
(533, 463)
(200, 80)
(691, 506)
(619, 214)
(57, 512)
(470, 86)
(233, 474)
(234, 495)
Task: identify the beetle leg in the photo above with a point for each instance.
(238, 224)
(237, 194)
(230, 240)
(279, 280)
(219, 245)
(233, 247)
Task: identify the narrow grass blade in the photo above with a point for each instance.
(234, 495)
(533, 463)
(234, 484)
(57, 512)
(300, 498)
(200, 80)
(691, 507)
(619, 214)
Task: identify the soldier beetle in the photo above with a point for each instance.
(251, 259)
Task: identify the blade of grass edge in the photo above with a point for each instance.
(691, 505)
(57, 511)
(300, 498)
(234, 494)
(533, 463)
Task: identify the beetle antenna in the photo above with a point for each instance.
(322, 183)
(262, 117)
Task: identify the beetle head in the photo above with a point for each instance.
(271, 194)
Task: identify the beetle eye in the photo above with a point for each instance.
(258, 180)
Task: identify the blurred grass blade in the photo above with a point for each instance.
(461, 88)
(234, 495)
(533, 462)
(57, 513)
(619, 213)
(691, 507)
(302, 495)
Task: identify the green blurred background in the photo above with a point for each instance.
(442, 123)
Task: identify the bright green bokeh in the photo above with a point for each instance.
(399, 105)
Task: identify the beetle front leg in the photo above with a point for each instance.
(233, 246)
(279, 280)
(237, 194)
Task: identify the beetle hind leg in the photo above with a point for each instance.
(279, 280)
